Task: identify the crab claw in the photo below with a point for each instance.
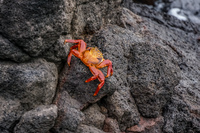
(97, 74)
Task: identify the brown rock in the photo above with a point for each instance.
(147, 125)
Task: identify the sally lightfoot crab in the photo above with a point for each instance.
(92, 58)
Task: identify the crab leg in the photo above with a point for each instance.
(78, 53)
(104, 64)
(81, 44)
(97, 74)
(75, 53)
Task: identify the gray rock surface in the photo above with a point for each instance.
(155, 60)
(111, 125)
(38, 120)
(94, 117)
(88, 129)
(122, 106)
(182, 39)
(33, 82)
(155, 75)
(10, 112)
(10, 52)
(69, 114)
(37, 26)
(70, 119)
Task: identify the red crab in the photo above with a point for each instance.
(92, 58)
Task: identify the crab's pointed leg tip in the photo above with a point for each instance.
(94, 94)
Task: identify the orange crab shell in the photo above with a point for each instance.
(92, 58)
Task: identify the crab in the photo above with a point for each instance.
(93, 59)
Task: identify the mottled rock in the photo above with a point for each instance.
(36, 26)
(154, 55)
(90, 16)
(181, 38)
(180, 118)
(38, 120)
(162, 19)
(75, 85)
(122, 106)
(88, 129)
(32, 83)
(69, 114)
(10, 112)
(8, 51)
(148, 125)
(4, 131)
(71, 118)
(111, 126)
(94, 117)
(187, 10)
(153, 78)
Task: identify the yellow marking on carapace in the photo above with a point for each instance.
(96, 53)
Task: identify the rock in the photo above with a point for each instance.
(90, 16)
(122, 106)
(38, 120)
(10, 52)
(124, 59)
(162, 19)
(155, 75)
(184, 100)
(10, 112)
(4, 131)
(155, 57)
(94, 117)
(88, 129)
(181, 118)
(69, 114)
(111, 126)
(32, 83)
(71, 118)
(187, 10)
(75, 85)
(36, 26)
(148, 125)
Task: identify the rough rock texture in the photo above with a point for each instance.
(122, 106)
(37, 25)
(10, 113)
(154, 87)
(148, 125)
(187, 10)
(69, 114)
(38, 120)
(154, 77)
(88, 129)
(94, 117)
(111, 125)
(33, 82)
(10, 52)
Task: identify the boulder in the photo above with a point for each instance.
(35, 26)
(32, 83)
(10, 113)
(88, 129)
(38, 120)
(122, 106)
(94, 117)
